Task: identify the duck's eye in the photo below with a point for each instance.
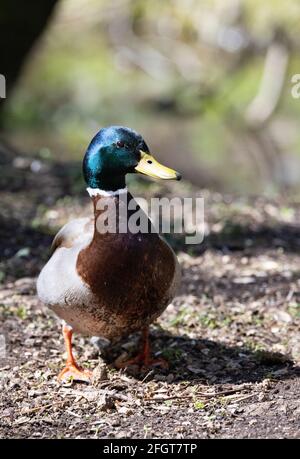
(149, 161)
(120, 144)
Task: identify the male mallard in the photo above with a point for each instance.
(112, 283)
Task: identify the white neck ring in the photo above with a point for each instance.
(98, 192)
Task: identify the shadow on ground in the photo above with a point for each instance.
(204, 361)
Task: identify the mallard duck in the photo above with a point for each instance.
(110, 284)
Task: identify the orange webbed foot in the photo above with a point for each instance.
(72, 371)
(144, 359)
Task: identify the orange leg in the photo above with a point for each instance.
(72, 370)
(144, 357)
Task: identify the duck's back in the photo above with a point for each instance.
(58, 282)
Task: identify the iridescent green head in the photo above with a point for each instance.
(116, 151)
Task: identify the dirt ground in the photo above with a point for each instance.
(231, 336)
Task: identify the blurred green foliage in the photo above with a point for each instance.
(183, 73)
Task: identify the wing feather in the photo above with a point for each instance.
(74, 232)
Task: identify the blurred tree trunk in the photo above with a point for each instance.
(21, 24)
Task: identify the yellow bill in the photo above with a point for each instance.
(149, 166)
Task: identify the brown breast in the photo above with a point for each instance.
(129, 273)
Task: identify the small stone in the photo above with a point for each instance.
(125, 410)
(170, 378)
(115, 423)
(282, 316)
(105, 403)
(244, 280)
(99, 373)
